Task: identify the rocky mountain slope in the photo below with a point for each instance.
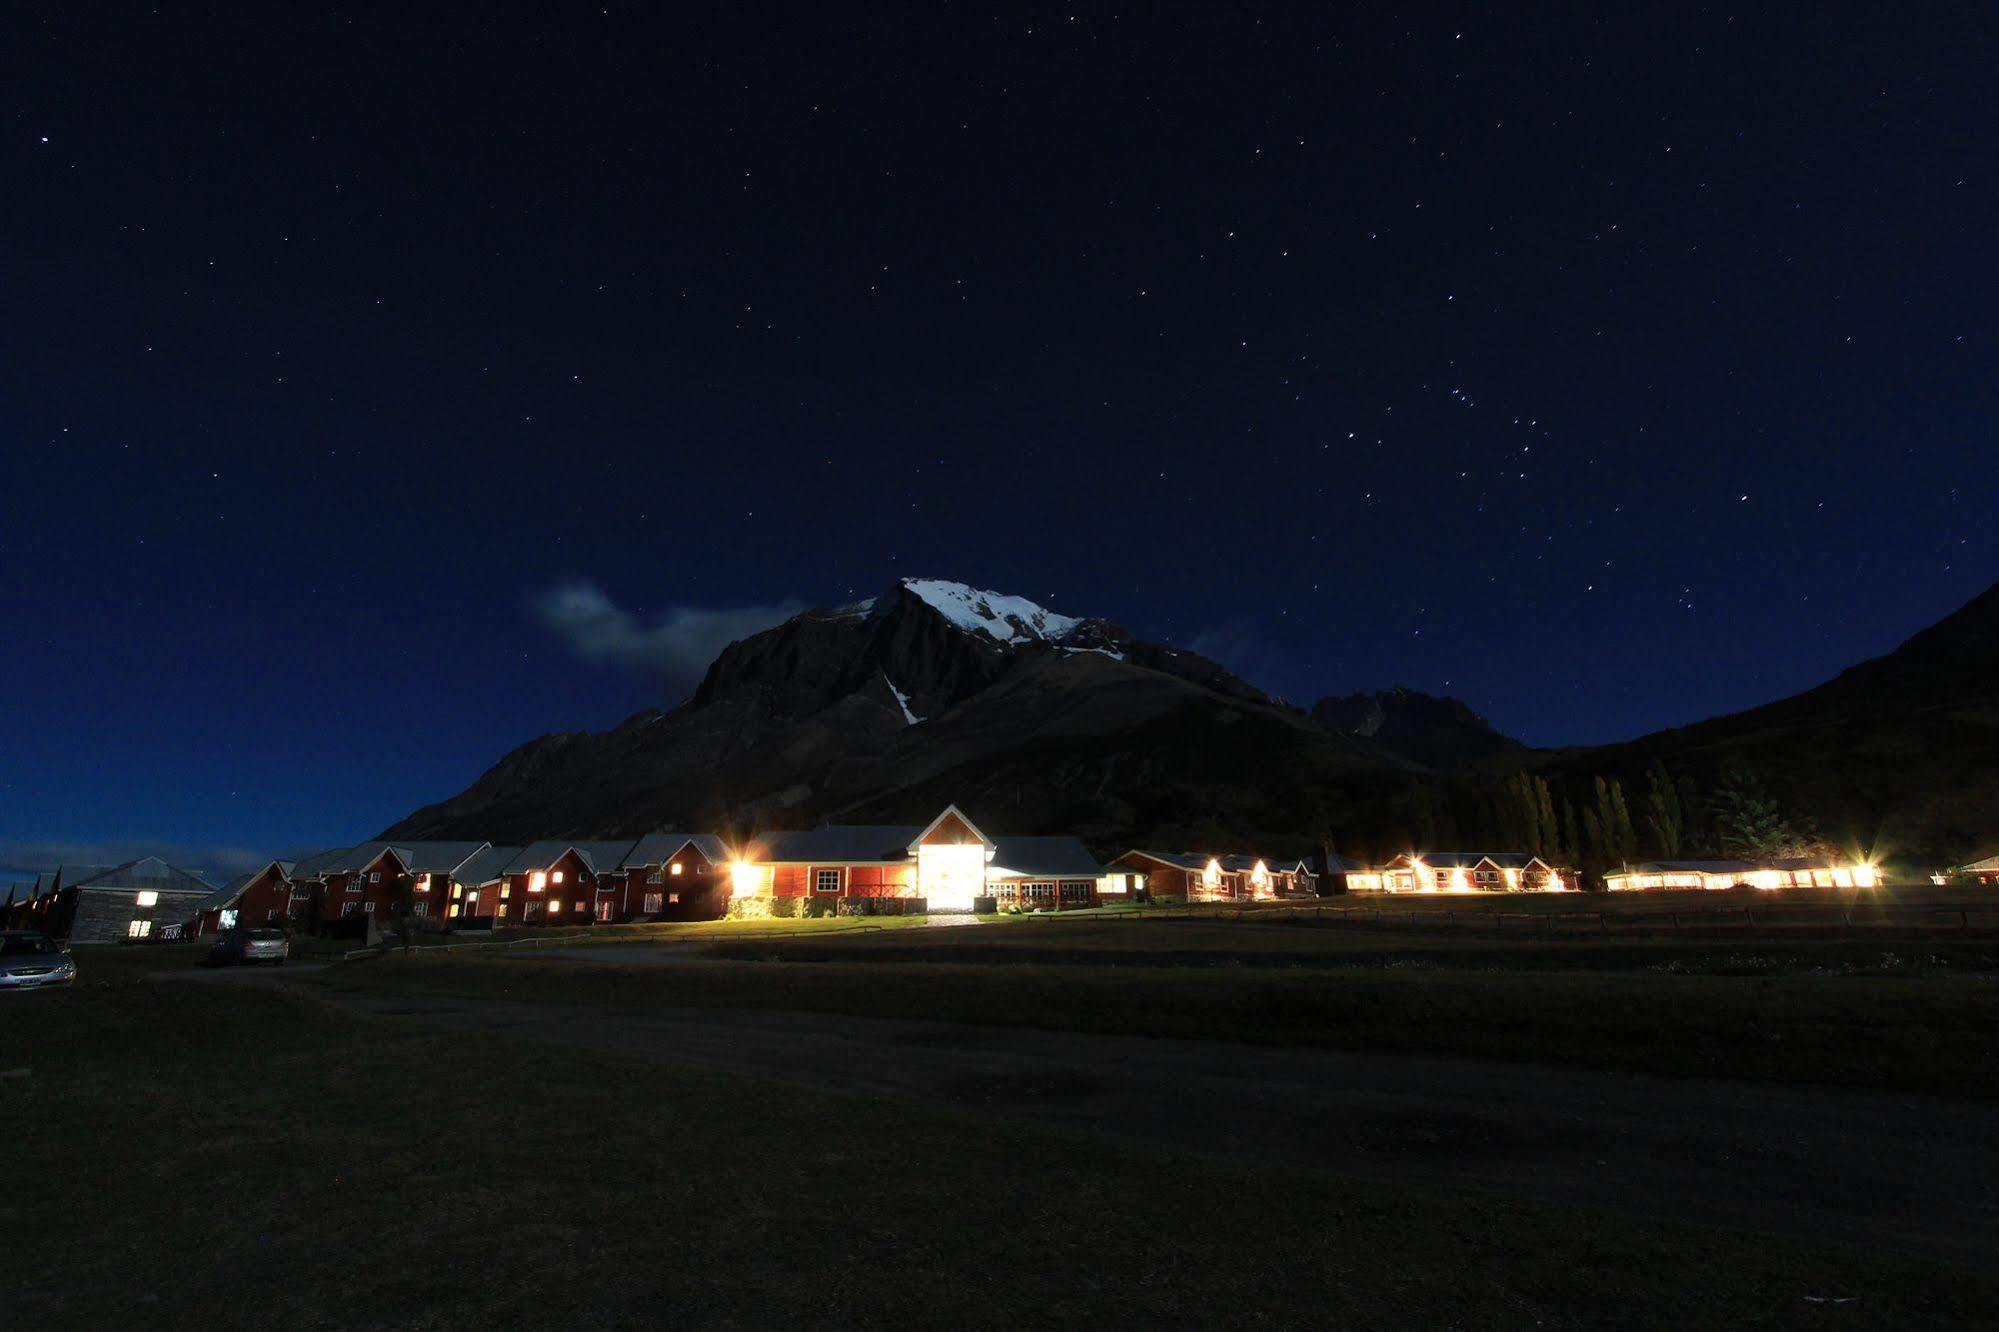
(932, 692)
(1440, 733)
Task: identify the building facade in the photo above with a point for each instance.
(1463, 872)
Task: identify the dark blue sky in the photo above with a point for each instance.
(1607, 371)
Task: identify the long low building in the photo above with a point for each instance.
(946, 865)
(1984, 871)
(1463, 872)
(1195, 876)
(1793, 872)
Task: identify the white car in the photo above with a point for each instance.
(30, 959)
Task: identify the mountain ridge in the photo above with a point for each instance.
(937, 692)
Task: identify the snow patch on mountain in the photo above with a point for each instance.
(902, 701)
(998, 616)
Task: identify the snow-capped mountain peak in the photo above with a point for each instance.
(998, 616)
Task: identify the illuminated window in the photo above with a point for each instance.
(148, 898)
(555, 877)
(826, 881)
(138, 929)
(677, 867)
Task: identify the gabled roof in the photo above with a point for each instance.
(229, 892)
(147, 873)
(1178, 859)
(318, 864)
(1050, 857)
(950, 812)
(597, 857)
(660, 847)
(843, 844)
(486, 865)
(1690, 867)
(1470, 859)
(415, 857)
(437, 857)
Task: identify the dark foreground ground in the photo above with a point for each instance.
(1247, 1126)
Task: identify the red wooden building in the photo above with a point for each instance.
(260, 898)
(947, 865)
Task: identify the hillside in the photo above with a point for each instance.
(936, 692)
(1440, 733)
(1896, 755)
(933, 692)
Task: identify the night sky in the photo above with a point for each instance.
(379, 391)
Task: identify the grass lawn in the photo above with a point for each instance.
(1913, 1025)
(231, 1155)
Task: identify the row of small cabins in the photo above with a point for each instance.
(946, 865)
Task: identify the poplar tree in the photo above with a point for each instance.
(1664, 817)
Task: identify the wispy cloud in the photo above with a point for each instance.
(21, 861)
(676, 645)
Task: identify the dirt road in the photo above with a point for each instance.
(1915, 1173)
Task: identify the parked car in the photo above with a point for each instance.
(29, 958)
(247, 946)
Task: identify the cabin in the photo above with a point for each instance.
(560, 882)
(1463, 872)
(1296, 879)
(1335, 873)
(308, 884)
(1189, 876)
(481, 896)
(1260, 878)
(362, 879)
(106, 904)
(947, 865)
(1174, 876)
(1797, 872)
(675, 876)
(259, 898)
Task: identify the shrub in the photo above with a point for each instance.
(883, 906)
